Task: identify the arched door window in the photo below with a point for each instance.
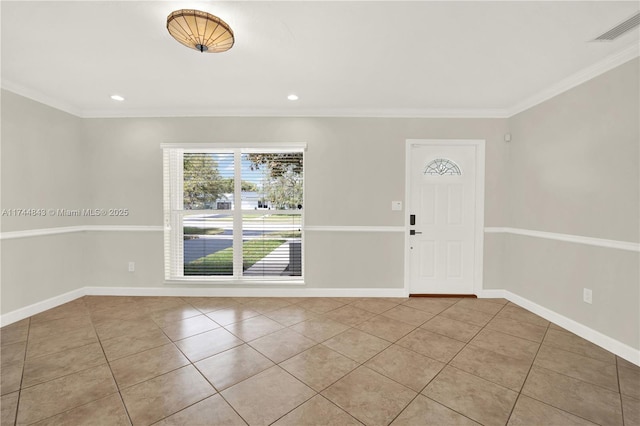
(442, 166)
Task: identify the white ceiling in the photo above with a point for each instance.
(378, 58)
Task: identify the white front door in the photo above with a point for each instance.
(443, 215)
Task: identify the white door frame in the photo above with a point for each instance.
(479, 144)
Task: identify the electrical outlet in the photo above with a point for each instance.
(396, 205)
(587, 295)
(132, 266)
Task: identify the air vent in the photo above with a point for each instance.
(620, 29)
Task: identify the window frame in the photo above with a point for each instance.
(173, 198)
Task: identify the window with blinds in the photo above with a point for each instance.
(233, 213)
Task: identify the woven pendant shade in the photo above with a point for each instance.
(200, 31)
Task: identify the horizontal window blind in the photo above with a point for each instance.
(234, 213)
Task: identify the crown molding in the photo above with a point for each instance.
(607, 64)
(38, 96)
(310, 112)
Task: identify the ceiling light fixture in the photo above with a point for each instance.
(200, 31)
(292, 97)
(117, 98)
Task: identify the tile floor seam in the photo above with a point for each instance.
(371, 334)
(621, 403)
(547, 327)
(584, 356)
(24, 361)
(461, 341)
(416, 352)
(63, 376)
(232, 407)
(124, 388)
(26, 346)
(478, 310)
(485, 379)
(277, 362)
(576, 353)
(431, 399)
(218, 391)
(465, 344)
(557, 408)
(570, 377)
(250, 340)
(392, 379)
(333, 403)
(124, 356)
(405, 407)
(576, 378)
(296, 407)
(59, 377)
(413, 325)
(528, 373)
(182, 409)
(70, 409)
(113, 377)
(59, 352)
(474, 345)
(448, 363)
(427, 384)
(419, 393)
(329, 385)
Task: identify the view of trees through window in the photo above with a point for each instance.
(270, 199)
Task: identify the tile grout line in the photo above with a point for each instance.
(420, 392)
(126, 410)
(193, 364)
(528, 372)
(448, 363)
(69, 374)
(318, 393)
(543, 402)
(620, 391)
(24, 361)
(553, 406)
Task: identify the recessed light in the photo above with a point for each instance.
(292, 97)
(117, 98)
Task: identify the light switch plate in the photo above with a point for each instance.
(396, 205)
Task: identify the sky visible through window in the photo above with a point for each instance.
(226, 169)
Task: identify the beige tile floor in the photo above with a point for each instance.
(307, 361)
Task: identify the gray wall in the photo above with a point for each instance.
(354, 168)
(43, 166)
(574, 169)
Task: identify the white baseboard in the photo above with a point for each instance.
(245, 292)
(491, 294)
(612, 345)
(38, 307)
(622, 350)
